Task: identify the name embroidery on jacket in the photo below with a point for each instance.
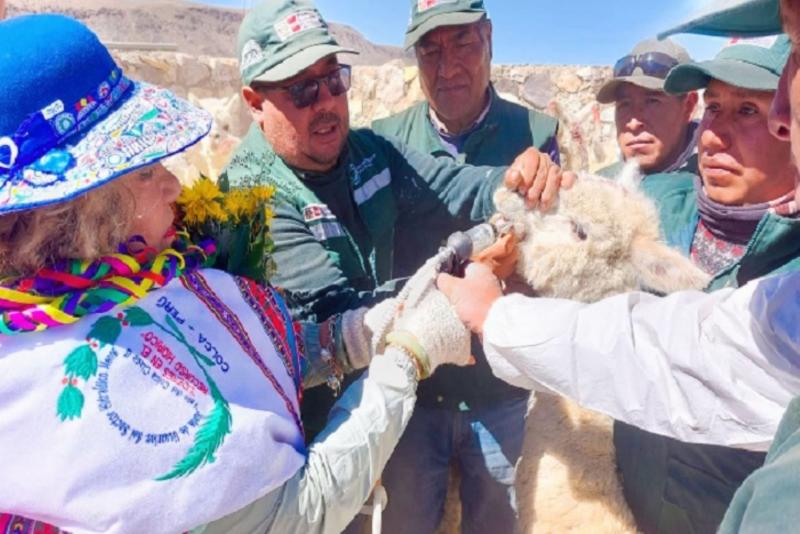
(156, 362)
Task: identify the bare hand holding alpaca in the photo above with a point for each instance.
(537, 178)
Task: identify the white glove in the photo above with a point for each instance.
(432, 332)
(359, 329)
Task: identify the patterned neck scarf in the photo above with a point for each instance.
(736, 224)
(73, 289)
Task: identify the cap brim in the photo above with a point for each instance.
(693, 76)
(150, 125)
(608, 93)
(456, 18)
(300, 62)
(753, 18)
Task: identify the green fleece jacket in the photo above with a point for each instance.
(673, 486)
(768, 499)
(504, 133)
(337, 236)
(331, 260)
(615, 169)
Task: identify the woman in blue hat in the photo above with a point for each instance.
(139, 390)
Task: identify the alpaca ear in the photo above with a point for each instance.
(630, 176)
(663, 269)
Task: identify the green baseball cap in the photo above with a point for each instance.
(427, 15)
(279, 39)
(749, 66)
(748, 18)
(608, 92)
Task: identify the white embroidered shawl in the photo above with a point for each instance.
(158, 417)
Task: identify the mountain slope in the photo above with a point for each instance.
(195, 28)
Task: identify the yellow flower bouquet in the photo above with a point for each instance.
(237, 220)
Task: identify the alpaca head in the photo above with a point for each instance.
(602, 238)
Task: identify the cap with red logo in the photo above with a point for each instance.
(427, 15)
(278, 39)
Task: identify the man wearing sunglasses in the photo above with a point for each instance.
(653, 127)
(345, 198)
(464, 416)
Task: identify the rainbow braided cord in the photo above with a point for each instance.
(71, 290)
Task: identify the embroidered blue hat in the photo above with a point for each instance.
(71, 121)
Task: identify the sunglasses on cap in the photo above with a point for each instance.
(306, 92)
(655, 64)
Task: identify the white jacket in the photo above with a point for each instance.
(716, 368)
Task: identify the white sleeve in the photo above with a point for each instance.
(717, 368)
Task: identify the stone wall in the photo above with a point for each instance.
(567, 92)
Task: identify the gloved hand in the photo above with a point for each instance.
(432, 332)
(359, 329)
(472, 296)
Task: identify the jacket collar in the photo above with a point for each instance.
(441, 129)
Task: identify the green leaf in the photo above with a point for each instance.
(152, 114)
(176, 331)
(236, 243)
(70, 403)
(81, 363)
(205, 359)
(207, 441)
(138, 317)
(106, 330)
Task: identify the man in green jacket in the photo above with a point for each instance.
(653, 127)
(753, 328)
(344, 198)
(738, 221)
(466, 416)
(767, 500)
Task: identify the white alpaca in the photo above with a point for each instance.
(602, 238)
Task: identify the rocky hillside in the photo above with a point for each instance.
(196, 28)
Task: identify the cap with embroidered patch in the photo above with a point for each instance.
(742, 18)
(670, 50)
(753, 65)
(427, 15)
(279, 39)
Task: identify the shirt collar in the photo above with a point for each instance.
(441, 129)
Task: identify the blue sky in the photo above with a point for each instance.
(594, 32)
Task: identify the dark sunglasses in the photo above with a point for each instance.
(653, 64)
(304, 93)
